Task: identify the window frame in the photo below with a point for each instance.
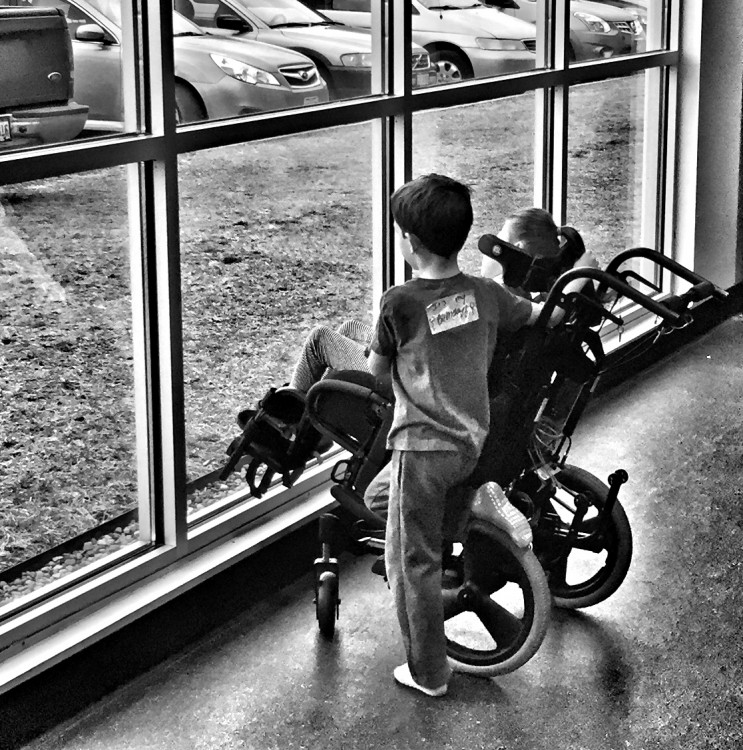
(169, 543)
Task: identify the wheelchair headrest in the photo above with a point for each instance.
(572, 246)
(522, 271)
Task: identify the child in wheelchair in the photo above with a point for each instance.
(527, 255)
(517, 452)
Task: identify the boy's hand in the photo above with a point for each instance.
(380, 366)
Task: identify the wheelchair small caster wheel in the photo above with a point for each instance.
(326, 603)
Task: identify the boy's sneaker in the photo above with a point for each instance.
(402, 675)
(491, 504)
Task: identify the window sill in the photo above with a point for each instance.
(165, 584)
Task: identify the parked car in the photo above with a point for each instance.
(638, 8)
(342, 55)
(464, 38)
(214, 77)
(36, 79)
(597, 29)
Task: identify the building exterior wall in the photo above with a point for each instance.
(709, 219)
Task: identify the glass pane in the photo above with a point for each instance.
(334, 61)
(601, 29)
(98, 68)
(467, 40)
(68, 457)
(462, 39)
(275, 239)
(608, 28)
(489, 147)
(605, 164)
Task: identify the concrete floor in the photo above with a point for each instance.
(658, 665)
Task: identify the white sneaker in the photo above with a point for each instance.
(403, 676)
(491, 504)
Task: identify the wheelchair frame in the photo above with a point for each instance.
(571, 511)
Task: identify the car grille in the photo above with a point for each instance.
(421, 61)
(531, 44)
(300, 76)
(628, 27)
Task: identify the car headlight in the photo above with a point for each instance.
(488, 42)
(357, 60)
(244, 72)
(594, 23)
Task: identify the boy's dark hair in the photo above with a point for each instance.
(437, 210)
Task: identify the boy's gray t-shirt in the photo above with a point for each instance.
(440, 335)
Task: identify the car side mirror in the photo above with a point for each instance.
(502, 4)
(92, 32)
(231, 22)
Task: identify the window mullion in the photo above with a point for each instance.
(161, 242)
(551, 112)
(393, 152)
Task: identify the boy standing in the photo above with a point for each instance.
(435, 338)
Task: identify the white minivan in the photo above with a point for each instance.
(464, 38)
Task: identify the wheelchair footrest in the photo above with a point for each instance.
(277, 437)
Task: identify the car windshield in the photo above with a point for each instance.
(448, 4)
(111, 9)
(284, 13)
(183, 27)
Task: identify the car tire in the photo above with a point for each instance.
(451, 66)
(324, 73)
(188, 107)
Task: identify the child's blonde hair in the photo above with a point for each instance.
(536, 228)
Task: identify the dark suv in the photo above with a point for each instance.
(36, 79)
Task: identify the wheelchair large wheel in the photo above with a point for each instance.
(497, 619)
(596, 565)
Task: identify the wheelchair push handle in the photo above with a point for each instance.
(700, 289)
(605, 280)
(703, 287)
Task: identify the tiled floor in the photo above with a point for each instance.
(658, 665)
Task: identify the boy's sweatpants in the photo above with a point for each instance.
(421, 498)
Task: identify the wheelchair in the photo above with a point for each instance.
(497, 596)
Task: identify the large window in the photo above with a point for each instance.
(275, 239)
(226, 192)
(68, 372)
(605, 160)
(489, 146)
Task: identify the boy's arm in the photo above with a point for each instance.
(585, 261)
(490, 268)
(379, 366)
(536, 309)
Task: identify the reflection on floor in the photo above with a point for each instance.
(659, 665)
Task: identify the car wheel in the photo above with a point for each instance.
(324, 73)
(188, 106)
(451, 66)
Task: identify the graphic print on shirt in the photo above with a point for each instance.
(452, 311)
